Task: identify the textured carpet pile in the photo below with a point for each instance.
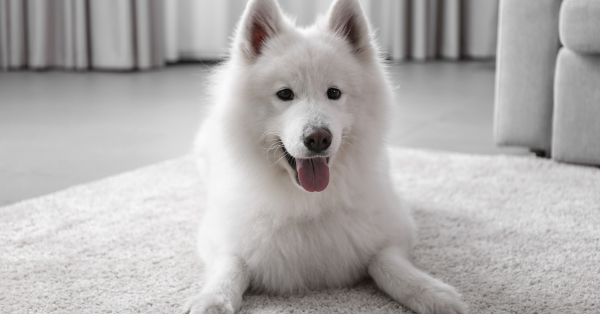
(513, 234)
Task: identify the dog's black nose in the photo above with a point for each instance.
(318, 141)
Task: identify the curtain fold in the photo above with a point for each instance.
(13, 37)
(126, 34)
(427, 29)
(54, 34)
(143, 34)
(204, 27)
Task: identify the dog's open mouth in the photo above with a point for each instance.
(312, 174)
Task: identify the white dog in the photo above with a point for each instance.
(293, 155)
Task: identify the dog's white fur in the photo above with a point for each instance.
(261, 229)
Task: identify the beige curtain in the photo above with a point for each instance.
(81, 34)
(126, 34)
(426, 29)
(142, 34)
(406, 29)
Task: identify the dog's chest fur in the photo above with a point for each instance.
(328, 251)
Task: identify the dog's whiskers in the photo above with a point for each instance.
(267, 133)
(345, 139)
(282, 155)
(274, 146)
(348, 135)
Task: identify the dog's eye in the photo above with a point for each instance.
(334, 93)
(285, 94)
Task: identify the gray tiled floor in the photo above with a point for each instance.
(59, 129)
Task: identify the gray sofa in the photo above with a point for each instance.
(548, 78)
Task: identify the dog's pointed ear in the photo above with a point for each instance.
(261, 20)
(346, 18)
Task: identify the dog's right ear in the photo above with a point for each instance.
(347, 19)
(261, 21)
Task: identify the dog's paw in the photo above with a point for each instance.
(439, 298)
(208, 304)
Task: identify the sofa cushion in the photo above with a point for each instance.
(576, 132)
(580, 25)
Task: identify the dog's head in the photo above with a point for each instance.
(307, 87)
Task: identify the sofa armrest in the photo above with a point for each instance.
(528, 44)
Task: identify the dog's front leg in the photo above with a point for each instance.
(226, 280)
(397, 276)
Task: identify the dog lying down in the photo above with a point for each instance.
(293, 156)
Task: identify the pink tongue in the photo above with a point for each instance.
(313, 173)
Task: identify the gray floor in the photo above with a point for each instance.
(59, 129)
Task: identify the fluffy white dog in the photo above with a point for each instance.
(293, 155)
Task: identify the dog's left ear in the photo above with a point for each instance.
(346, 18)
(261, 21)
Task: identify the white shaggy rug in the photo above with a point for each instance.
(513, 234)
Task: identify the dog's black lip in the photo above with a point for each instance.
(292, 161)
